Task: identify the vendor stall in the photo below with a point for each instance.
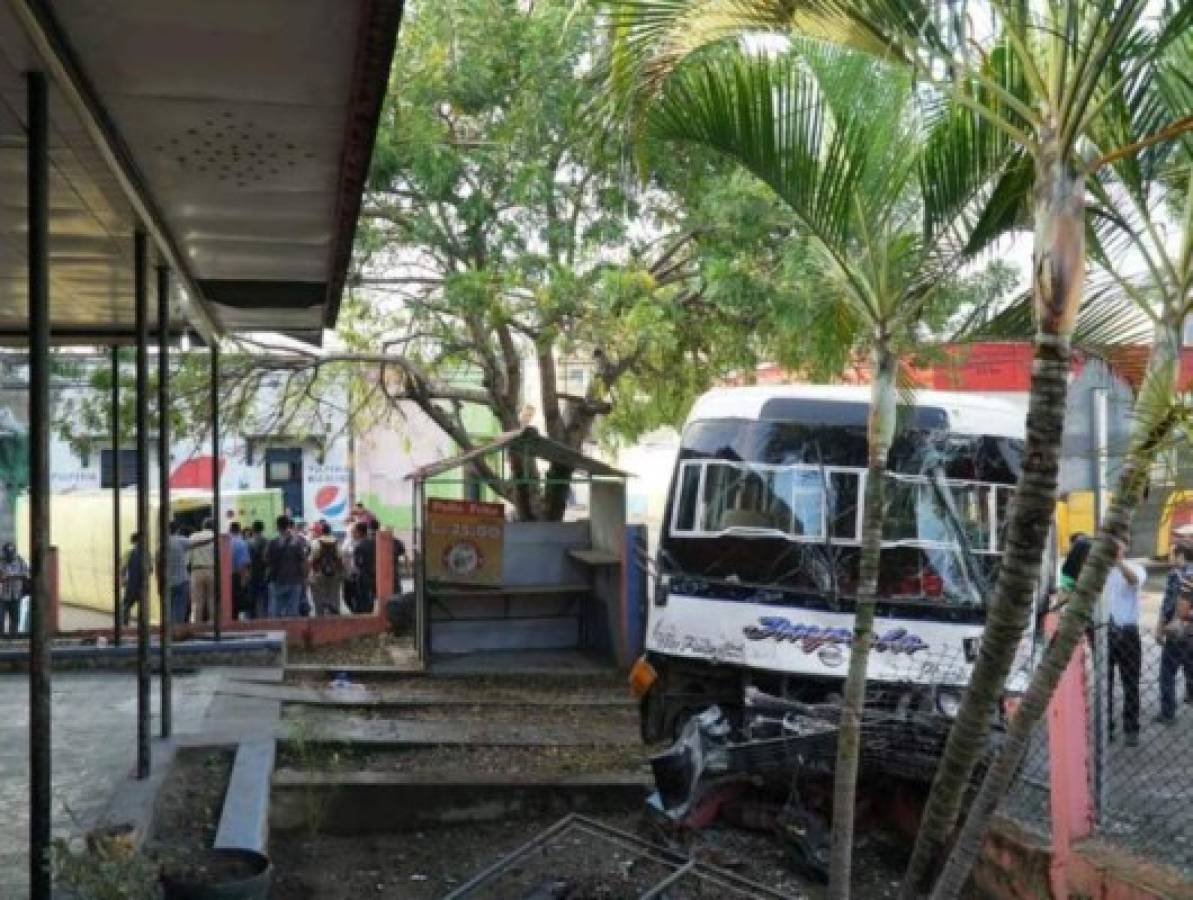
(486, 583)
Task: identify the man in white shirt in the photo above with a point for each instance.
(1121, 593)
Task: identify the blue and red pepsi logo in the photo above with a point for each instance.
(332, 501)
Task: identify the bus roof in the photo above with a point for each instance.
(967, 413)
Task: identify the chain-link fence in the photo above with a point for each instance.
(1141, 742)
(1139, 712)
(1028, 800)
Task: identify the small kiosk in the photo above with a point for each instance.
(483, 583)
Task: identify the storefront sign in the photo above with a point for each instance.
(464, 541)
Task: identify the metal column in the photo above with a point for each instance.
(218, 571)
(163, 494)
(40, 774)
(144, 545)
(117, 612)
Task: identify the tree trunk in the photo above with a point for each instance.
(525, 486)
(555, 493)
(1058, 273)
(879, 432)
(1154, 421)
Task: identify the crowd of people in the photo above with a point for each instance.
(301, 571)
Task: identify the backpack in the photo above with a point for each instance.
(328, 562)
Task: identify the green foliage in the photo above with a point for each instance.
(105, 867)
(504, 236)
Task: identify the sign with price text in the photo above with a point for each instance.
(464, 541)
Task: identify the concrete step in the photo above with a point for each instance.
(362, 802)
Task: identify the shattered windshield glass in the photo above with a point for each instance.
(718, 497)
(785, 499)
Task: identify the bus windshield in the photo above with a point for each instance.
(781, 502)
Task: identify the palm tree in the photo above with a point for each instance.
(1041, 75)
(1141, 192)
(891, 216)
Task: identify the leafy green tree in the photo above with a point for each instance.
(1039, 77)
(503, 240)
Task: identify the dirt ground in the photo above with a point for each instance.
(431, 863)
(474, 689)
(451, 761)
(599, 719)
(370, 650)
(190, 802)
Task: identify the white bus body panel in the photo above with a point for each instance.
(798, 641)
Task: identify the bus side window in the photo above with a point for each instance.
(686, 503)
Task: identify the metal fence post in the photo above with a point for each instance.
(144, 546)
(40, 668)
(117, 612)
(163, 495)
(216, 518)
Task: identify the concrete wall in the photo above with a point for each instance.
(1077, 461)
(536, 552)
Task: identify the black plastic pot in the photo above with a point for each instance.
(249, 874)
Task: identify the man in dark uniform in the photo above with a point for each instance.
(364, 563)
(1172, 633)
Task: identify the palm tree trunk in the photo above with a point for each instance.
(1153, 425)
(879, 432)
(1057, 277)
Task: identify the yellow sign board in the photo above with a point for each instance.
(464, 541)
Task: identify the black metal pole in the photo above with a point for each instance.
(218, 571)
(163, 495)
(40, 773)
(117, 612)
(144, 546)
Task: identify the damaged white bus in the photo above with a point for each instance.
(758, 553)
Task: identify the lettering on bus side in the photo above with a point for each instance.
(810, 638)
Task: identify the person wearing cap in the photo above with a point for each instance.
(1173, 632)
(14, 573)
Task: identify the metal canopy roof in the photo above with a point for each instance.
(238, 132)
(525, 440)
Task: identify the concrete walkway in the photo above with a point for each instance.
(94, 739)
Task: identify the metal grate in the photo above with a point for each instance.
(645, 870)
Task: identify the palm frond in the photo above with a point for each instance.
(650, 39)
(768, 115)
(1108, 322)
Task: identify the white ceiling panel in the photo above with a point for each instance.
(240, 130)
